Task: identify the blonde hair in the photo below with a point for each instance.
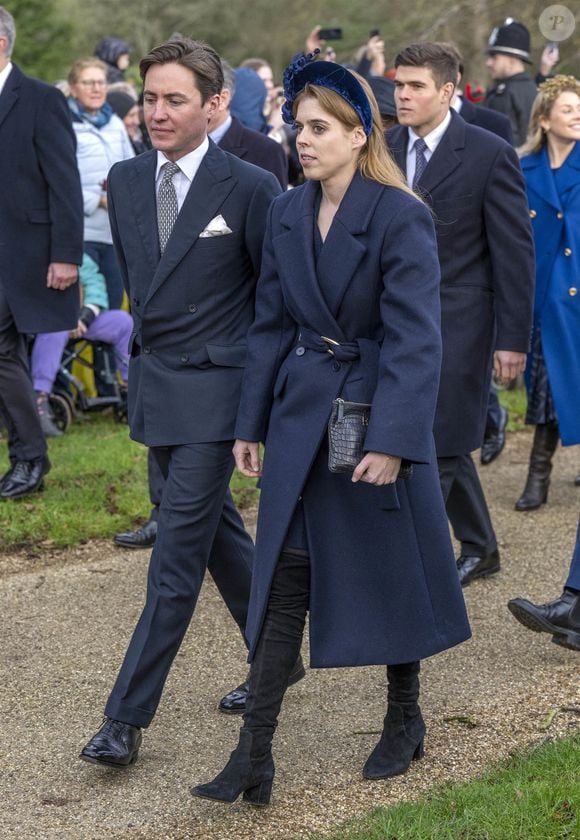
(374, 160)
(83, 64)
(548, 93)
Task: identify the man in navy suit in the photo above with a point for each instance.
(473, 181)
(41, 237)
(187, 222)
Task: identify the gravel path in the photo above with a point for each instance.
(65, 618)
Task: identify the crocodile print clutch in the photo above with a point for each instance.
(347, 429)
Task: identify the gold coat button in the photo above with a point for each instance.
(573, 291)
(533, 214)
(559, 215)
(567, 252)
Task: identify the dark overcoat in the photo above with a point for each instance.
(384, 587)
(41, 206)
(474, 184)
(256, 148)
(193, 305)
(486, 118)
(556, 225)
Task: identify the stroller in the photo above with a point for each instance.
(70, 396)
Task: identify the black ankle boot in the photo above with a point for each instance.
(535, 493)
(403, 733)
(246, 772)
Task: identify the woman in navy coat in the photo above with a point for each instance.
(347, 305)
(551, 165)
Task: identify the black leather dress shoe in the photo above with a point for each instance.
(234, 703)
(143, 537)
(116, 744)
(470, 567)
(560, 617)
(494, 440)
(23, 478)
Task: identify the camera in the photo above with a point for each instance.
(330, 34)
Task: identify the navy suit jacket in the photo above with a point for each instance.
(41, 207)
(474, 184)
(486, 118)
(193, 305)
(256, 148)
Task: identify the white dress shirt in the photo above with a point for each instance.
(4, 75)
(432, 140)
(188, 166)
(219, 133)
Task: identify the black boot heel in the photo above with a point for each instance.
(420, 751)
(259, 794)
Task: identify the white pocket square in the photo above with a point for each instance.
(217, 227)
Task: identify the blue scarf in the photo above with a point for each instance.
(99, 119)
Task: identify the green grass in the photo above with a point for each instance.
(533, 796)
(96, 487)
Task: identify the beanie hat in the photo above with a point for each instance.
(120, 102)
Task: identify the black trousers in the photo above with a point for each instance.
(198, 528)
(466, 506)
(26, 441)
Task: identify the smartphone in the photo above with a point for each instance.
(330, 34)
(374, 33)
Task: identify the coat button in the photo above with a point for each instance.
(300, 351)
(567, 252)
(147, 349)
(533, 214)
(336, 365)
(192, 307)
(559, 215)
(573, 291)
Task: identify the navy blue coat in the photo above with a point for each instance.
(474, 184)
(556, 226)
(384, 587)
(192, 306)
(486, 118)
(41, 206)
(256, 148)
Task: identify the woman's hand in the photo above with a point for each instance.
(247, 455)
(377, 468)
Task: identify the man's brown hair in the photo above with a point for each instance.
(197, 56)
(439, 58)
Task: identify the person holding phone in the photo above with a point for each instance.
(347, 305)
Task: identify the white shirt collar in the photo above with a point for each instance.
(220, 132)
(434, 137)
(189, 163)
(4, 75)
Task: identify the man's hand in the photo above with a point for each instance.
(377, 468)
(550, 57)
(79, 331)
(375, 48)
(508, 365)
(247, 455)
(61, 275)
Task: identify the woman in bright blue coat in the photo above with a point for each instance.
(347, 305)
(551, 165)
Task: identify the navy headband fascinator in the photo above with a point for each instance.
(304, 69)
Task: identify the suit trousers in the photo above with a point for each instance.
(573, 581)
(466, 506)
(198, 527)
(493, 420)
(26, 441)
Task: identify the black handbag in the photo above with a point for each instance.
(347, 430)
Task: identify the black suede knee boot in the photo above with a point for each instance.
(404, 728)
(250, 769)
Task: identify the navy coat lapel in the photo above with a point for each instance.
(539, 178)
(9, 96)
(343, 249)
(212, 184)
(446, 157)
(142, 187)
(295, 252)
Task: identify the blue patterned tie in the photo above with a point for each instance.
(167, 207)
(420, 160)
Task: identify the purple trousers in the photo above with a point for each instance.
(113, 326)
